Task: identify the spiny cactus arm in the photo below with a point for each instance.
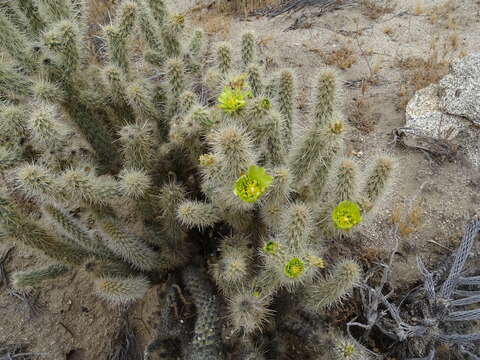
(224, 58)
(198, 285)
(191, 127)
(159, 10)
(12, 81)
(156, 58)
(172, 32)
(121, 290)
(16, 44)
(233, 149)
(88, 188)
(332, 135)
(138, 97)
(128, 246)
(169, 196)
(233, 264)
(304, 153)
(248, 310)
(9, 157)
(100, 268)
(32, 278)
(461, 255)
(345, 181)
(255, 79)
(67, 225)
(117, 48)
(196, 43)
(277, 197)
(188, 100)
(197, 214)
(335, 287)
(63, 39)
(275, 152)
(207, 341)
(13, 122)
(271, 88)
(137, 145)
(44, 127)
(38, 181)
(257, 116)
(213, 81)
(54, 10)
(325, 97)
(297, 225)
(13, 13)
(175, 74)
(248, 48)
(30, 9)
(125, 18)
(251, 351)
(286, 96)
(117, 83)
(19, 227)
(96, 132)
(377, 181)
(150, 29)
(47, 91)
(134, 184)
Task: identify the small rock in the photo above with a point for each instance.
(428, 127)
(424, 114)
(460, 89)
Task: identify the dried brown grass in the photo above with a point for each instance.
(243, 7)
(408, 220)
(360, 110)
(373, 10)
(342, 57)
(418, 73)
(213, 22)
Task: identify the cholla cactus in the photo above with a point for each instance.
(125, 170)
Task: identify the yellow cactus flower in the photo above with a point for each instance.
(294, 268)
(251, 186)
(346, 215)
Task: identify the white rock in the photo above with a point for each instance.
(424, 114)
(460, 89)
(425, 117)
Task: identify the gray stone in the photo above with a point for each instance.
(460, 89)
(423, 114)
(426, 120)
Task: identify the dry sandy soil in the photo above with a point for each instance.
(74, 324)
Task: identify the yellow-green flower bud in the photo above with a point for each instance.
(294, 268)
(271, 247)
